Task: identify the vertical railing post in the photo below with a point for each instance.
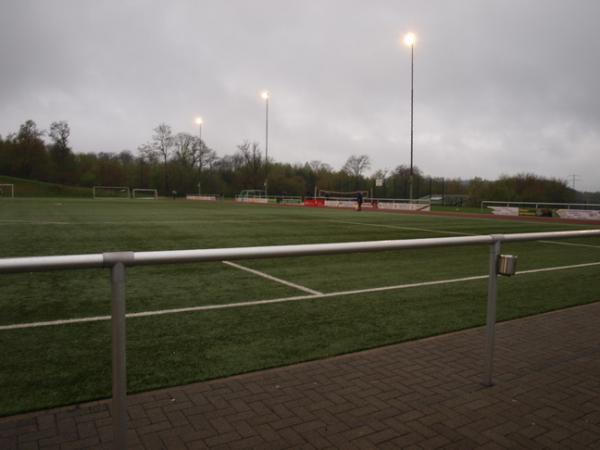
(490, 321)
(119, 368)
(116, 262)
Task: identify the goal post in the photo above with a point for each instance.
(111, 192)
(7, 190)
(148, 194)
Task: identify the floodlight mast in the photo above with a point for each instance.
(409, 40)
(199, 122)
(265, 96)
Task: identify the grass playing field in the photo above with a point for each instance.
(43, 366)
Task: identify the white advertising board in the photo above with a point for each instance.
(504, 210)
(583, 214)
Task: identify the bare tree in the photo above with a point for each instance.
(205, 157)
(250, 156)
(210, 159)
(356, 165)
(186, 150)
(192, 152)
(380, 174)
(404, 171)
(318, 166)
(162, 143)
(147, 153)
(59, 133)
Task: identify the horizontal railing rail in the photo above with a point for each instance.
(105, 260)
(118, 261)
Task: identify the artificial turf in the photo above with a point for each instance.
(50, 366)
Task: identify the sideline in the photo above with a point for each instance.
(430, 230)
(398, 227)
(570, 244)
(144, 222)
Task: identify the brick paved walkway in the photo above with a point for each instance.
(421, 394)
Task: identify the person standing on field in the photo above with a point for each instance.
(359, 200)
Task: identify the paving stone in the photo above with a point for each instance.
(419, 394)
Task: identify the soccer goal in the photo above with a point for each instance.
(252, 196)
(342, 195)
(341, 199)
(147, 194)
(111, 192)
(7, 190)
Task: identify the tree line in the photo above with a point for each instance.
(183, 163)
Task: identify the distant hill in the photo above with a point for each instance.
(34, 188)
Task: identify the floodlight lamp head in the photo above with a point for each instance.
(198, 121)
(265, 95)
(409, 39)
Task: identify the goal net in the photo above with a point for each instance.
(111, 192)
(252, 196)
(342, 195)
(148, 194)
(7, 190)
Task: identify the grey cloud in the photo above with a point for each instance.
(500, 86)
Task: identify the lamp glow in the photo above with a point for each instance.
(265, 95)
(198, 120)
(410, 39)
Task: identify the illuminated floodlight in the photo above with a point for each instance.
(409, 39)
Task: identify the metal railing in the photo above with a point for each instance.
(117, 263)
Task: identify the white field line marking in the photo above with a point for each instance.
(488, 219)
(550, 269)
(279, 300)
(398, 227)
(144, 222)
(34, 222)
(572, 244)
(53, 322)
(429, 230)
(272, 278)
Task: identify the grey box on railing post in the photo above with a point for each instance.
(507, 265)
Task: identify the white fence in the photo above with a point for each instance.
(537, 205)
(117, 263)
(204, 198)
(403, 204)
(579, 211)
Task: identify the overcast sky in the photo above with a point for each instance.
(501, 86)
